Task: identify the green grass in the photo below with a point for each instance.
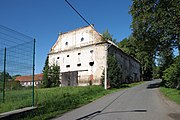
(172, 94)
(53, 101)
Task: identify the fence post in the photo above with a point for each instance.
(4, 75)
(33, 73)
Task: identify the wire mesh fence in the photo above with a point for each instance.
(16, 59)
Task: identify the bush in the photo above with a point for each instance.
(171, 76)
(114, 72)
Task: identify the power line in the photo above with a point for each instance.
(83, 18)
(78, 12)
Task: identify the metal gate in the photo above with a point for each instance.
(69, 78)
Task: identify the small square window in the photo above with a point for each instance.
(79, 53)
(67, 55)
(67, 66)
(66, 43)
(82, 39)
(79, 64)
(91, 51)
(91, 63)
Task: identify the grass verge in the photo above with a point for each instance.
(54, 101)
(172, 94)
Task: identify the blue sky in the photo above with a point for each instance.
(44, 19)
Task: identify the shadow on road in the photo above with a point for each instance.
(175, 116)
(89, 115)
(94, 114)
(154, 85)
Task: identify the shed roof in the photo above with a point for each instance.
(37, 77)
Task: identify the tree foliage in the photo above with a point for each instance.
(156, 28)
(114, 72)
(172, 75)
(10, 83)
(108, 36)
(46, 81)
(54, 73)
(128, 46)
(8, 76)
(131, 47)
(51, 75)
(165, 59)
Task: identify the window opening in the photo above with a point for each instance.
(82, 39)
(91, 63)
(79, 64)
(67, 66)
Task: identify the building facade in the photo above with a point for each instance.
(82, 56)
(27, 81)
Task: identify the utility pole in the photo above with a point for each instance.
(105, 68)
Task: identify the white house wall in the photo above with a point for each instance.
(30, 83)
(79, 59)
(76, 38)
(75, 49)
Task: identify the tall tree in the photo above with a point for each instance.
(54, 74)
(147, 39)
(165, 59)
(114, 72)
(168, 18)
(132, 47)
(46, 80)
(108, 36)
(156, 22)
(7, 75)
(128, 46)
(51, 75)
(171, 76)
(155, 25)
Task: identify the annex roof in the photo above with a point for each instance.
(37, 77)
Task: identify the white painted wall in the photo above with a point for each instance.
(79, 60)
(76, 38)
(28, 83)
(82, 46)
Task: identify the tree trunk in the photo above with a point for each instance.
(178, 86)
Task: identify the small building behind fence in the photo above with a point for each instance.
(26, 81)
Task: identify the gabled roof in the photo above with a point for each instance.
(69, 32)
(62, 33)
(37, 77)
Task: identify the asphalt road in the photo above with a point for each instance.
(142, 102)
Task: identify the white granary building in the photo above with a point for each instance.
(82, 56)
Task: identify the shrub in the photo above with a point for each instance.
(171, 76)
(114, 72)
